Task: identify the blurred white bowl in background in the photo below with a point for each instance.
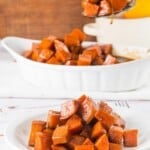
(119, 77)
(124, 32)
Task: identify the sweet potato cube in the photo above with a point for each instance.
(84, 147)
(60, 135)
(42, 141)
(87, 109)
(90, 9)
(35, 55)
(102, 143)
(114, 146)
(105, 8)
(71, 40)
(75, 140)
(130, 137)
(110, 60)
(48, 131)
(53, 60)
(115, 134)
(69, 108)
(87, 142)
(105, 107)
(106, 118)
(84, 60)
(37, 126)
(46, 43)
(53, 118)
(45, 54)
(98, 130)
(74, 124)
(106, 49)
(71, 62)
(79, 34)
(98, 61)
(58, 147)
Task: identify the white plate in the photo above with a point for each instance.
(17, 132)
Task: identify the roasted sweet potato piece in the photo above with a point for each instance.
(75, 140)
(115, 134)
(74, 124)
(90, 9)
(105, 8)
(93, 51)
(45, 54)
(87, 109)
(103, 106)
(69, 108)
(58, 147)
(106, 118)
(110, 60)
(84, 147)
(37, 126)
(87, 142)
(42, 141)
(106, 49)
(84, 60)
(114, 146)
(98, 130)
(98, 61)
(118, 5)
(130, 138)
(35, 55)
(71, 62)
(60, 135)
(53, 118)
(46, 43)
(102, 143)
(79, 34)
(119, 121)
(53, 60)
(48, 131)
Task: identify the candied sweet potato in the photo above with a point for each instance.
(87, 109)
(87, 142)
(98, 130)
(114, 146)
(42, 141)
(102, 143)
(130, 137)
(75, 140)
(69, 108)
(116, 134)
(60, 135)
(53, 118)
(84, 60)
(37, 126)
(74, 124)
(84, 147)
(58, 147)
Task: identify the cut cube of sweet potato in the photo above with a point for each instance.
(102, 143)
(84, 147)
(115, 134)
(58, 147)
(84, 60)
(87, 109)
(130, 138)
(75, 140)
(42, 141)
(53, 118)
(110, 60)
(46, 43)
(87, 142)
(69, 108)
(45, 54)
(60, 135)
(114, 146)
(74, 124)
(90, 9)
(98, 130)
(48, 131)
(106, 118)
(37, 126)
(103, 106)
(53, 60)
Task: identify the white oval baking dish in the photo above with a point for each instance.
(119, 77)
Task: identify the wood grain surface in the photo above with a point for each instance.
(39, 18)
